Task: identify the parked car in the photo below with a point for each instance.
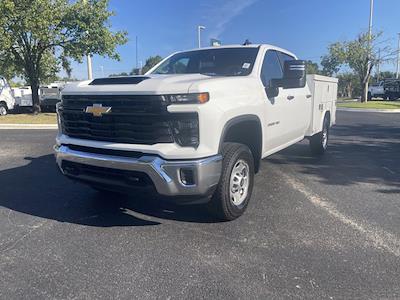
(196, 125)
(50, 95)
(7, 100)
(376, 90)
(387, 89)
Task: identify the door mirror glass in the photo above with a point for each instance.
(294, 75)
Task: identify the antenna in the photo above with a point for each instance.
(246, 42)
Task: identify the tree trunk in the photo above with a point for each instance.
(364, 94)
(35, 98)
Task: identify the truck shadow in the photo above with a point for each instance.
(357, 154)
(39, 189)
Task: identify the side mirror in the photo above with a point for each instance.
(294, 75)
(272, 91)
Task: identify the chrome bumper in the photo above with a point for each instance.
(165, 174)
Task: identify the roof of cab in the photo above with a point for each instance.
(242, 46)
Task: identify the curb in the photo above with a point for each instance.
(28, 126)
(386, 111)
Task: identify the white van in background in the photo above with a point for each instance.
(50, 95)
(23, 97)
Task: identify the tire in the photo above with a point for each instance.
(235, 186)
(3, 109)
(319, 141)
(369, 96)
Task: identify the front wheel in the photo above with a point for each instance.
(3, 110)
(319, 141)
(235, 186)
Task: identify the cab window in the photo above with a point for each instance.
(271, 68)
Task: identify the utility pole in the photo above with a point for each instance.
(89, 60)
(199, 28)
(136, 52)
(371, 12)
(378, 66)
(398, 58)
(89, 67)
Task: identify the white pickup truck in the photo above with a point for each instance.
(196, 125)
(7, 100)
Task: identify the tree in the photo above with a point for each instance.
(312, 67)
(39, 37)
(383, 75)
(151, 62)
(349, 85)
(360, 55)
(331, 62)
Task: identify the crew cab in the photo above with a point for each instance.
(197, 125)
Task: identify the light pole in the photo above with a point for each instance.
(199, 28)
(371, 12)
(398, 58)
(89, 67)
(89, 59)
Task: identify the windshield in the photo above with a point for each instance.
(212, 62)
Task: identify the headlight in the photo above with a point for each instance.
(193, 98)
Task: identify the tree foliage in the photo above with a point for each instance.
(151, 62)
(39, 37)
(360, 55)
(312, 67)
(349, 85)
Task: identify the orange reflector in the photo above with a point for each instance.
(203, 97)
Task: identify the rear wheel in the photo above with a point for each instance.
(319, 141)
(3, 109)
(235, 187)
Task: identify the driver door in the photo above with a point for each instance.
(276, 132)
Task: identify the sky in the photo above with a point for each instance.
(305, 27)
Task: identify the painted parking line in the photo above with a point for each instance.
(379, 238)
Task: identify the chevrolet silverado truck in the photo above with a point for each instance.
(196, 126)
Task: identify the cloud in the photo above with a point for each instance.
(223, 14)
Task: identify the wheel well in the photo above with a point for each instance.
(4, 103)
(328, 115)
(245, 130)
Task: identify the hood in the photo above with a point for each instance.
(144, 85)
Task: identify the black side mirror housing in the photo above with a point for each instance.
(294, 75)
(272, 91)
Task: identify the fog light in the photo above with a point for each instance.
(187, 176)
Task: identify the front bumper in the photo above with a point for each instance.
(166, 175)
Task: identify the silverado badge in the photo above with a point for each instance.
(98, 110)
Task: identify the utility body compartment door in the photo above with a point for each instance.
(324, 95)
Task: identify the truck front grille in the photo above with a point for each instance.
(133, 119)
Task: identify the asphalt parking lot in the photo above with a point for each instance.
(325, 228)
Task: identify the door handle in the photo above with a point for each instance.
(290, 97)
(308, 96)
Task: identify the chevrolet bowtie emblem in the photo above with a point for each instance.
(98, 110)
